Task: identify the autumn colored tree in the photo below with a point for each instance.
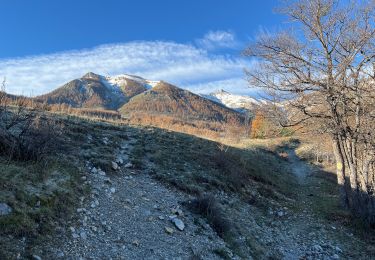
(258, 126)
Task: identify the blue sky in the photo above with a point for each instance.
(193, 44)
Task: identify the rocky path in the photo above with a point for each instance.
(313, 241)
(299, 168)
(301, 233)
(294, 230)
(130, 216)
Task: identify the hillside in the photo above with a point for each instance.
(143, 101)
(170, 195)
(96, 91)
(168, 100)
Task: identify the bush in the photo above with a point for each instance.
(208, 207)
(31, 140)
(26, 133)
(231, 168)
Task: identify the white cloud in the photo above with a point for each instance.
(218, 40)
(181, 64)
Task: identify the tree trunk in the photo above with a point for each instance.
(340, 172)
(352, 166)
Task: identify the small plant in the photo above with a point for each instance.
(222, 147)
(208, 207)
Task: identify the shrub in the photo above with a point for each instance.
(231, 168)
(208, 207)
(26, 133)
(31, 140)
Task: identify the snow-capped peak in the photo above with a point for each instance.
(121, 80)
(237, 102)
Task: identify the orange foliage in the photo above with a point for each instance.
(258, 125)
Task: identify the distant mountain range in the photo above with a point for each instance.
(96, 91)
(136, 97)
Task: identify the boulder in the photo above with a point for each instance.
(115, 166)
(5, 209)
(178, 223)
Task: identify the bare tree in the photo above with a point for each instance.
(325, 68)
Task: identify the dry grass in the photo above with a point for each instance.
(185, 162)
(209, 208)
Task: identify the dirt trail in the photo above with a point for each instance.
(299, 168)
(305, 234)
(128, 216)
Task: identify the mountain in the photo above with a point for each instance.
(141, 101)
(236, 102)
(96, 91)
(169, 100)
(130, 93)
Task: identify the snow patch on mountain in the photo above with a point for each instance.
(237, 102)
(122, 80)
(152, 83)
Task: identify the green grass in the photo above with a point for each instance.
(326, 202)
(56, 187)
(197, 165)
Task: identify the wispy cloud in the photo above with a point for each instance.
(218, 40)
(236, 85)
(185, 65)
